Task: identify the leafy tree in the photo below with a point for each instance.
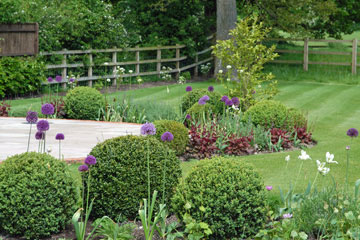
(244, 56)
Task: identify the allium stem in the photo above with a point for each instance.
(317, 173)
(347, 166)
(29, 138)
(148, 167)
(59, 149)
(44, 142)
(39, 146)
(301, 165)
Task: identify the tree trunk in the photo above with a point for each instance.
(226, 17)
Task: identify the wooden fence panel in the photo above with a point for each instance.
(19, 39)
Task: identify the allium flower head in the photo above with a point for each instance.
(269, 188)
(58, 78)
(210, 88)
(71, 80)
(32, 117)
(39, 135)
(148, 129)
(188, 89)
(43, 125)
(287, 215)
(347, 147)
(235, 101)
(228, 102)
(224, 98)
(60, 136)
(90, 160)
(352, 132)
(167, 137)
(47, 109)
(253, 92)
(83, 168)
(50, 79)
(203, 100)
(188, 116)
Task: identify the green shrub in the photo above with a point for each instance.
(20, 75)
(37, 195)
(119, 181)
(224, 193)
(198, 111)
(180, 132)
(273, 114)
(83, 103)
(193, 97)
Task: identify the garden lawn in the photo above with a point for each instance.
(332, 109)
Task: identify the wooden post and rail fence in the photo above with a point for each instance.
(306, 52)
(65, 66)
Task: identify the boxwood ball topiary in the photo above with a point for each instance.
(193, 97)
(119, 180)
(226, 194)
(83, 103)
(180, 132)
(37, 195)
(273, 114)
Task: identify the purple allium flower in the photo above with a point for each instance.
(210, 88)
(269, 188)
(228, 102)
(203, 100)
(188, 89)
(148, 129)
(39, 135)
(58, 78)
(83, 168)
(32, 117)
(235, 101)
(347, 147)
(60, 136)
(167, 137)
(71, 80)
(188, 116)
(224, 98)
(47, 109)
(90, 160)
(287, 215)
(43, 125)
(352, 132)
(253, 92)
(50, 79)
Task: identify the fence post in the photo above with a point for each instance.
(114, 60)
(196, 70)
(64, 70)
(158, 64)
(90, 69)
(137, 58)
(354, 56)
(306, 54)
(177, 62)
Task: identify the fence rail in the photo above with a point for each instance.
(306, 52)
(65, 66)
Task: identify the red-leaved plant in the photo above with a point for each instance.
(4, 109)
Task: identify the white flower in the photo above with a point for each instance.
(287, 158)
(139, 80)
(259, 86)
(330, 158)
(234, 107)
(228, 66)
(321, 167)
(163, 67)
(220, 71)
(241, 71)
(106, 63)
(304, 155)
(130, 71)
(108, 80)
(49, 149)
(228, 79)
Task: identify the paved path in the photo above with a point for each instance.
(80, 136)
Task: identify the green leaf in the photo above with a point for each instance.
(350, 216)
(293, 234)
(303, 235)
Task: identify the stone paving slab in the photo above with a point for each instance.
(80, 136)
